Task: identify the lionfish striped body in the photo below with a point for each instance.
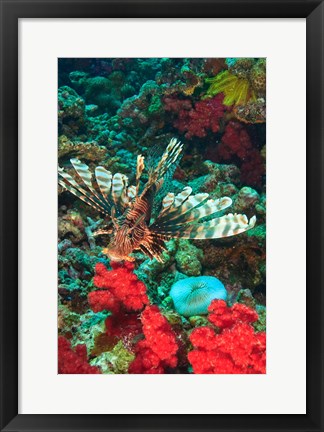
(129, 210)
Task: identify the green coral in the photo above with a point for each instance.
(261, 324)
(245, 296)
(188, 258)
(116, 361)
(156, 106)
(89, 327)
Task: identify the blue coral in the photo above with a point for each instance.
(193, 295)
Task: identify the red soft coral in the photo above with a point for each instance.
(73, 361)
(223, 316)
(237, 349)
(119, 287)
(159, 348)
(198, 120)
(103, 300)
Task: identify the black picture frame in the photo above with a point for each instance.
(11, 11)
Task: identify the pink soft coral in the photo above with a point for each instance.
(196, 120)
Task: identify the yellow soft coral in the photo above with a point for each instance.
(237, 91)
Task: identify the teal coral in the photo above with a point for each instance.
(192, 296)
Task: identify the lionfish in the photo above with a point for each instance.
(129, 211)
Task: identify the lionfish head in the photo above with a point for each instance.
(114, 254)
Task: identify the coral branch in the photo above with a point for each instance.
(89, 230)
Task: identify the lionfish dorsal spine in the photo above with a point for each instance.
(168, 158)
(131, 192)
(139, 169)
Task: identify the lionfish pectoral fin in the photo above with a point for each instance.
(85, 175)
(224, 226)
(146, 250)
(119, 191)
(68, 182)
(102, 232)
(154, 245)
(104, 179)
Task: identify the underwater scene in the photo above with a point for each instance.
(162, 216)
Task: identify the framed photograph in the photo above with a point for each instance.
(161, 227)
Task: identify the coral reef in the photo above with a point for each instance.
(71, 226)
(88, 151)
(71, 111)
(237, 264)
(252, 112)
(119, 318)
(223, 316)
(116, 361)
